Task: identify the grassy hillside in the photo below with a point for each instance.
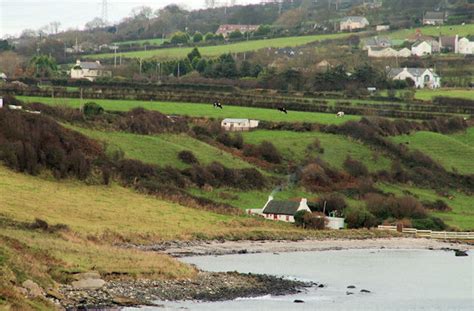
(163, 149)
(462, 214)
(446, 30)
(200, 110)
(453, 154)
(427, 94)
(240, 47)
(293, 145)
(466, 138)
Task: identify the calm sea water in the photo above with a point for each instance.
(397, 279)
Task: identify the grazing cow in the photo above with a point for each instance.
(217, 105)
(340, 114)
(283, 109)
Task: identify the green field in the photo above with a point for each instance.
(154, 41)
(452, 153)
(162, 149)
(462, 214)
(240, 47)
(200, 110)
(427, 94)
(293, 146)
(446, 30)
(466, 137)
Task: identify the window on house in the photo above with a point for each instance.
(427, 78)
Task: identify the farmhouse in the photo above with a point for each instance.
(226, 29)
(421, 48)
(239, 125)
(353, 22)
(377, 42)
(465, 46)
(89, 71)
(286, 210)
(448, 44)
(434, 18)
(422, 77)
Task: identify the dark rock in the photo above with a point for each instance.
(242, 251)
(365, 291)
(351, 286)
(460, 253)
(320, 285)
(349, 293)
(298, 301)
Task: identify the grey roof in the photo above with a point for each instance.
(235, 120)
(434, 15)
(416, 72)
(377, 41)
(281, 207)
(359, 19)
(89, 65)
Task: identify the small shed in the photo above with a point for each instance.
(239, 125)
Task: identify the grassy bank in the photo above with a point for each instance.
(294, 146)
(162, 149)
(199, 110)
(216, 50)
(453, 154)
(446, 30)
(427, 94)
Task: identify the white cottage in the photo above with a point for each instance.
(286, 210)
(422, 77)
(239, 125)
(89, 71)
(421, 48)
(464, 46)
(353, 23)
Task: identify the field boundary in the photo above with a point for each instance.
(445, 235)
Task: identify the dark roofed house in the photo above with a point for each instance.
(434, 18)
(353, 22)
(89, 70)
(284, 210)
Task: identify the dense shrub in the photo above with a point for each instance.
(438, 205)
(330, 203)
(92, 109)
(310, 220)
(429, 223)
(355, 168)
(387, 207)
(187, 157)
(265, 151)
(141, 121)
(30, 142)
(359, 217)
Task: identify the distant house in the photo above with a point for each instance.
(377, 42)
(421, 48)
(3, 76)
(388, 52)
(422, 77)
(226, 29)
(323, 66)
(286, 210)
(353, 23)
(448, 44)
(89, 71)
(239, 125)
(382, 27)
(465, 46)
(434, 18)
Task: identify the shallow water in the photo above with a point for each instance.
(397, 279)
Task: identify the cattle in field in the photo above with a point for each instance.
(340, 114)
(217, 105)
(283, 110)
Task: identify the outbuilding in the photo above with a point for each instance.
(239, 125)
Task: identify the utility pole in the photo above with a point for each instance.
(105, 13)
(141, 66)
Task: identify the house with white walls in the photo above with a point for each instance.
(464, 46)
(353, 23)
(89, 70)
(422, 77)
(286, 210)
(421, 48)
(238, 125)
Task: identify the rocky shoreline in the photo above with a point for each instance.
(218, 248)
(206, 286)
